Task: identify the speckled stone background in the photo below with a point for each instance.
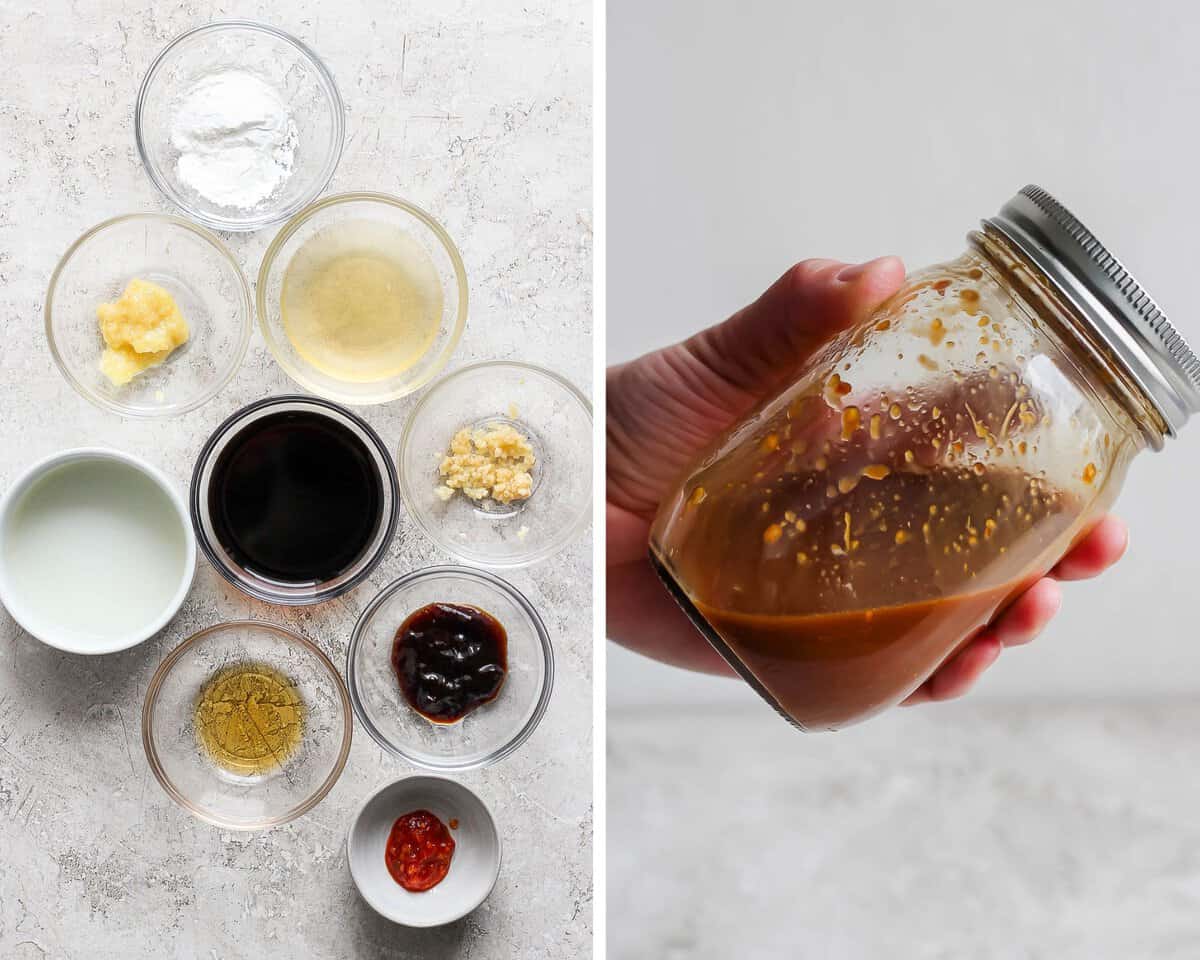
(967, 831)
(479, 111)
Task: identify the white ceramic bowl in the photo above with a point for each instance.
(56, 517)
(473, 869)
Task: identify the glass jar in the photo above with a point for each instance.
(924, 468)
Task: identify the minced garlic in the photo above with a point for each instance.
(487, 463)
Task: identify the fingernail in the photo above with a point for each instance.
(856, 270)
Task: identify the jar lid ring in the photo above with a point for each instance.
(1097, 284)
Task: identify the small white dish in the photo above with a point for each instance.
(474, 867)
(97, 552)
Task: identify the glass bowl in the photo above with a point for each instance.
(277, 58)
(238, 801)
(194, 267)
(556, 418)
(490, 732)
(257, 585)
(385, 213)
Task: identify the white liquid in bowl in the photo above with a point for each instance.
(94, 552)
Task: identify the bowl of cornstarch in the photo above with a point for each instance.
(239, 124)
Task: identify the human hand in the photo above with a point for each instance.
(666, 407)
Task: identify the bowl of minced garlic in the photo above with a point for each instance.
(493, 463)
(140, 330)
(148, 315)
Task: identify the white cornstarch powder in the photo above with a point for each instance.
(236, 139)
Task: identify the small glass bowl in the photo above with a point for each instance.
(276, 591)
(284, 63)
(392, 212)
(556, 418)
(195, 781)
(490, 732)
(194, 267)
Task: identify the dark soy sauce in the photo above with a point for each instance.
(450, 659)
(295, 497)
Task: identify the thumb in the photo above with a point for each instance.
(764, 342)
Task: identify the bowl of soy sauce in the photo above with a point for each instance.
(294, 500)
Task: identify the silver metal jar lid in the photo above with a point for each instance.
(1101, 289)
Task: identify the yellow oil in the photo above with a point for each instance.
(249, 718)
(361, 301)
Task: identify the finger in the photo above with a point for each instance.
(814, 300)
(1096, 552)
(643, 617)
(1028, 614)
(958, 674)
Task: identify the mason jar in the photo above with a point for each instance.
(924, 467)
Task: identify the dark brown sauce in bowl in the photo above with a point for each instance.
(450, 659)
(294, 500)
(295, 497)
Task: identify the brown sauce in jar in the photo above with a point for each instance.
(841, 600)
(450, 659)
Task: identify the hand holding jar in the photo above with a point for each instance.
(886, 479)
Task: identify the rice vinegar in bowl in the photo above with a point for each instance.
(362, 298)
(361, 301)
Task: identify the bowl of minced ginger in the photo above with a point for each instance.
(148, 315)
(141, 329)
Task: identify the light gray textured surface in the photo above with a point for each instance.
(480, 112)
(973, 830)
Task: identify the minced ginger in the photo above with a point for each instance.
(491, 463)
(140, 330)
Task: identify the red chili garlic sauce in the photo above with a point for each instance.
(450, 659)
(419, 851)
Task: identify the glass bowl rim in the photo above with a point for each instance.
(151, 698)
(328, 82)
(196, 509)
(569, 531)
(235, 358)
(539, 628)
(288, 230)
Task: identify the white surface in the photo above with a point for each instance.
(474, 865)
(743, 138)
(975, 831)
(478, 111)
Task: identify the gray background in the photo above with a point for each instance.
(481, 113)
(1038, 817)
